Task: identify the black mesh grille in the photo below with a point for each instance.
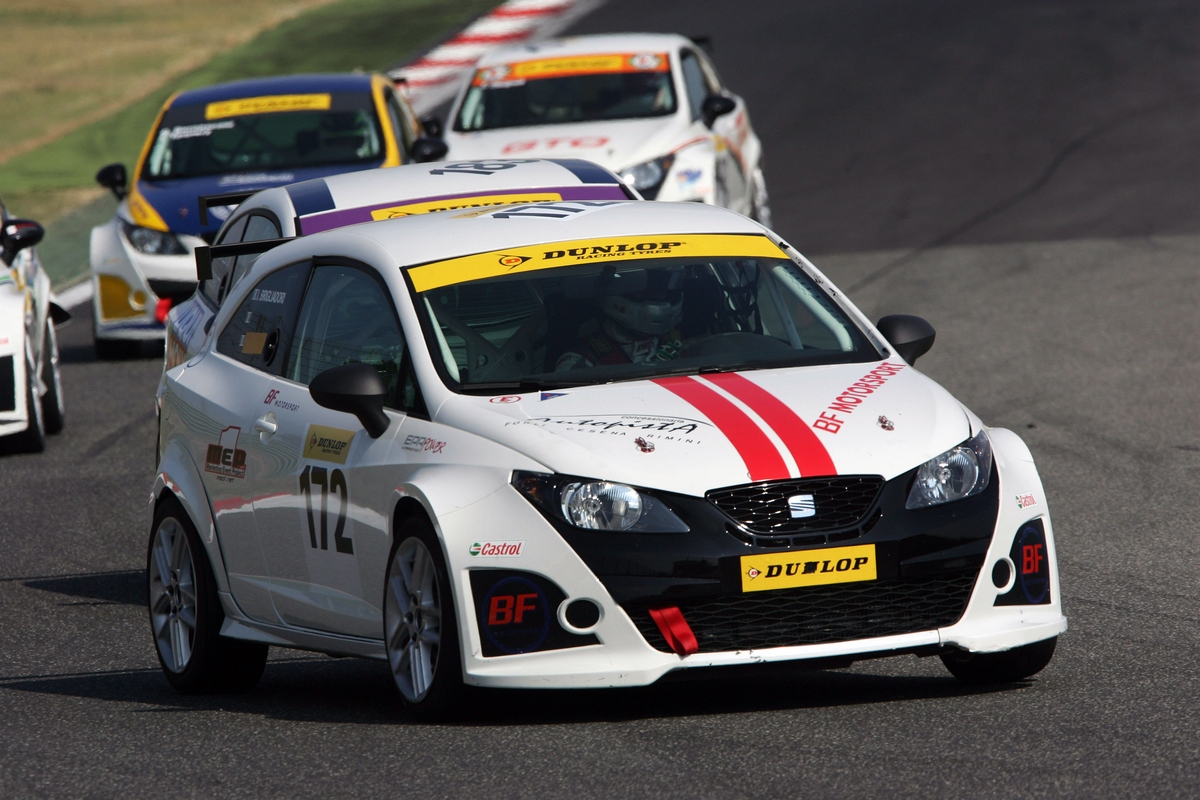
(762, 508)
(817, 614)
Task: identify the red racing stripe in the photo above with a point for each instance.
(757, 451)
(811, 456)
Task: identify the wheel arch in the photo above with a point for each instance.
(178, 478)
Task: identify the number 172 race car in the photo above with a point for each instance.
(579, 444)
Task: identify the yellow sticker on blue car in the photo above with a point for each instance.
(768, 571)
(267, 105)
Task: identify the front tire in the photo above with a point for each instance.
(1008, 666)
(33, 438)
(186, 614)
(420, 627)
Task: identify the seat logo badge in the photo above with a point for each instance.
(644, 445)
(886, 424)
(802, 505)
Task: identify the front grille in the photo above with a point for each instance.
(762, 508)
(814, 615)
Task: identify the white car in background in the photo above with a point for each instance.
(650, 107)
(579, 445)
(31, 400)
(351, 198)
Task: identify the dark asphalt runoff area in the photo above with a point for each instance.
(1025, 175)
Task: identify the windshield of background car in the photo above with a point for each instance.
(594, 322)
(571, 89)
(275, 132)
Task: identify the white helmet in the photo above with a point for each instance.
(651, 317)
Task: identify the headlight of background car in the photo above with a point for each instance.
(597, 505)
(648, 176)
(152, 242)
(959, 472)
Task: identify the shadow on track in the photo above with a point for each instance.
(127, 587)
(358, 691)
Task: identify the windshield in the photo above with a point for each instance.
(253, 133)
(644, 318)
(579, 89)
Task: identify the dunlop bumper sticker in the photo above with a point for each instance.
(808, 568)
(327, 444)
(587, 251)
(268, 105)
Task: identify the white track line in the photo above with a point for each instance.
(435, 77)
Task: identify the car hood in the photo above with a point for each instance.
(175, 200)
(612, 144)
(692, 434)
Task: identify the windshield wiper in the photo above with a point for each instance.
(522, 386)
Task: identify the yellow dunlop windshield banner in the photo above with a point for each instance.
(567, 66)
(267, 105)
(616, 249)
(808, 568)
(482, 201)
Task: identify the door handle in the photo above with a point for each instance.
(265, 424)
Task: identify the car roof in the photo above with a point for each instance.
(586, 45)
(286, 84)
(413, 241)
(350, 198)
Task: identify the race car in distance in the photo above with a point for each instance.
(230, 138)
(322, 204)
(579, 448)
(31, 400)
(647, 106)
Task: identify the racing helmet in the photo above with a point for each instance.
(655, 309)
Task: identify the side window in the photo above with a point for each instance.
(402, 125)
(263, 323)
(258, 228)
(710, 74)
(693, 77)
(215, 287)
(348, 318)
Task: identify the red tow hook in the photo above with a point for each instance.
(675, 630)
(162, 309)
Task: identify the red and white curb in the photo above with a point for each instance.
(435, 77)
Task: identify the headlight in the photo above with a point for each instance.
(598, 505)
(152, 242)
(648, 176)
(959, 472)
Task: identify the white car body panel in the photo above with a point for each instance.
(25, 299)
(296, 597)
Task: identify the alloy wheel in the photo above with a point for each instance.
(413, 619)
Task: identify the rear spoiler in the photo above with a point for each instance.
(205, 255)
(207, 201)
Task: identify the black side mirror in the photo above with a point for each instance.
(716, 105)
(911, 336)
(356, 389)
(17, 234)
(114, 178)
(427, 149)
(432, 126)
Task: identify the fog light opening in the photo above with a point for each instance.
(1004, 574)
(580, 615)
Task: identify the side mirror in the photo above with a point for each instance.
(114, 178)
(716, 105)
(427, 149)
(17, 234)
(910, 336)
(356, 389)
(432, 126)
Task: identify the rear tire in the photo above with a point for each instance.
(186, 614)
(1005, 667)
(33, 438)
(420, 628)
(53, 411)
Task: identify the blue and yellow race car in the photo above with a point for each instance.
(234, 138)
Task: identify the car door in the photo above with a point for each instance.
(223, 396)
(731, 181)
(323, 515)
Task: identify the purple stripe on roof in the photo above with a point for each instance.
(328, 220)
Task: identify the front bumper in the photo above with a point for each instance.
(935, 588)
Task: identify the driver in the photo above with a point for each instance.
(636, 328)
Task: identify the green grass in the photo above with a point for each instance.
(353, 34)
(371, 35)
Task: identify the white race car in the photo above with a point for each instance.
(647, 106)
(31, 401)
(335, 201)
(579, 448)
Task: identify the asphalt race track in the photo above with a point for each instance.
(1026, 175)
